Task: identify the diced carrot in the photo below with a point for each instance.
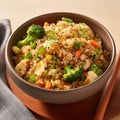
(46, 24)
(48, 85)
(95, 43)
(78, 53)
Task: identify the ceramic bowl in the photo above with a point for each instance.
(61, 96)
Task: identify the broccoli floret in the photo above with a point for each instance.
(34, 32)
(96, 69)
(72, 74)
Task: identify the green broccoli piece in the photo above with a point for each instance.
(97, 69)
(72, 74)
(34, 32)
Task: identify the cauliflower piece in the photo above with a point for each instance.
(21, 67)
(91, 76)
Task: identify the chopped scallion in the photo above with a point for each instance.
(67, 19)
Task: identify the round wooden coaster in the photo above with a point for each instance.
(83, 110)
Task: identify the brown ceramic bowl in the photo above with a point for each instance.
(61, 96)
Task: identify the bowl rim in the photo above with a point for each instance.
(57, 13)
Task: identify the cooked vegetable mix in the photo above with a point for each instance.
(60, 56)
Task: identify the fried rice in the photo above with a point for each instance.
(64, 44)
